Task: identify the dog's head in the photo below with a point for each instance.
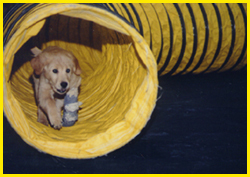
(57, 65)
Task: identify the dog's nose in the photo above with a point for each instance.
(64, 84)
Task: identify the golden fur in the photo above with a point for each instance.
(56, 71)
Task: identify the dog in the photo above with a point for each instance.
(56, 71)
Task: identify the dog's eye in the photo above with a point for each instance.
(55, 71)
(67, 70)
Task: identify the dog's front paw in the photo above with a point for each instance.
(56, 124)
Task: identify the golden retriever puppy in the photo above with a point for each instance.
(56, 71)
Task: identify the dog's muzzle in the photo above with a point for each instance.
(63, 88)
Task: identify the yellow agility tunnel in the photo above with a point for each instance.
(121, 48)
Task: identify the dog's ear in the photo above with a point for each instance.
(78, 69)
(38, 62)
(37, 65)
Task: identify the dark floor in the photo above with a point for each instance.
(198, 126)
